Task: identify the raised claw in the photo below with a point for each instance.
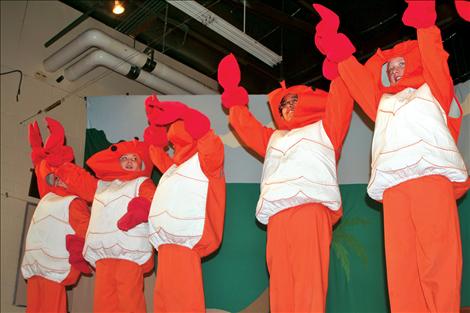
(56, 136)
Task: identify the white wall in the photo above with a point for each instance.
(22, 48)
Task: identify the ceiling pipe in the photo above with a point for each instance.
(101, 58)
(96, 38)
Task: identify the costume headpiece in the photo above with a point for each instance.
(107, 166)
(309, 109)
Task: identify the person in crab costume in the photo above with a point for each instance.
(300, 199)
(52, 258)
(187, 214)
(116, 242)
(417, 170)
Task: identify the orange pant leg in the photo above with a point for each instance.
(44, 295)
(130, 287)
(179, 286)
(105, 294)
(422, 245)
(298, 252)
(119, 286)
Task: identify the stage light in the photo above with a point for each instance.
(227, 30)
(118, 7)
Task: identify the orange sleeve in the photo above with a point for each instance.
(147, 189)
(361, 85)
(215, 214)
(79, 216)
(211, 154)
(42, 185)
(435, 68)
(160, 158)
(252, 133)
(338, 113)
(78, 181)
(211, 157)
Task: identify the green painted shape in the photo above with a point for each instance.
(95, 141)
(236, 275)
(365, 290)
(464, 216)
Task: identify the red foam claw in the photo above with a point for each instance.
(463, 8)
(74, 243)
(329, 20)
(419, 13)
(74, 246)
(35, 139)
(37, 155)
(167, 112)
(137, 213)
(228, 73)
(319, 43)
(151, 103)
(196, 123)
(79, 263)
(156, 135)
(338, 47)
(330, 69)
(57, 134)
(234, 97)
(59, 156)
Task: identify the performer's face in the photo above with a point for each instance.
(130, 162)
(395, 69)
(287, 106)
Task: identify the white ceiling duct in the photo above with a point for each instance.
(96, 38)
(102, 58)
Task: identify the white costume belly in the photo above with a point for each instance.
(104, 239)
(45, 253)
(299, 168)
(178, 208)
(411, 140)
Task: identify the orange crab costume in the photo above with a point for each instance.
(116, 242)
(187, 213)
(52, 257)
(300, 199)
(417, 170)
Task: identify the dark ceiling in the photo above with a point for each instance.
(284, 26)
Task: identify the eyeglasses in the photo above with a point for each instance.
(289, 101)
